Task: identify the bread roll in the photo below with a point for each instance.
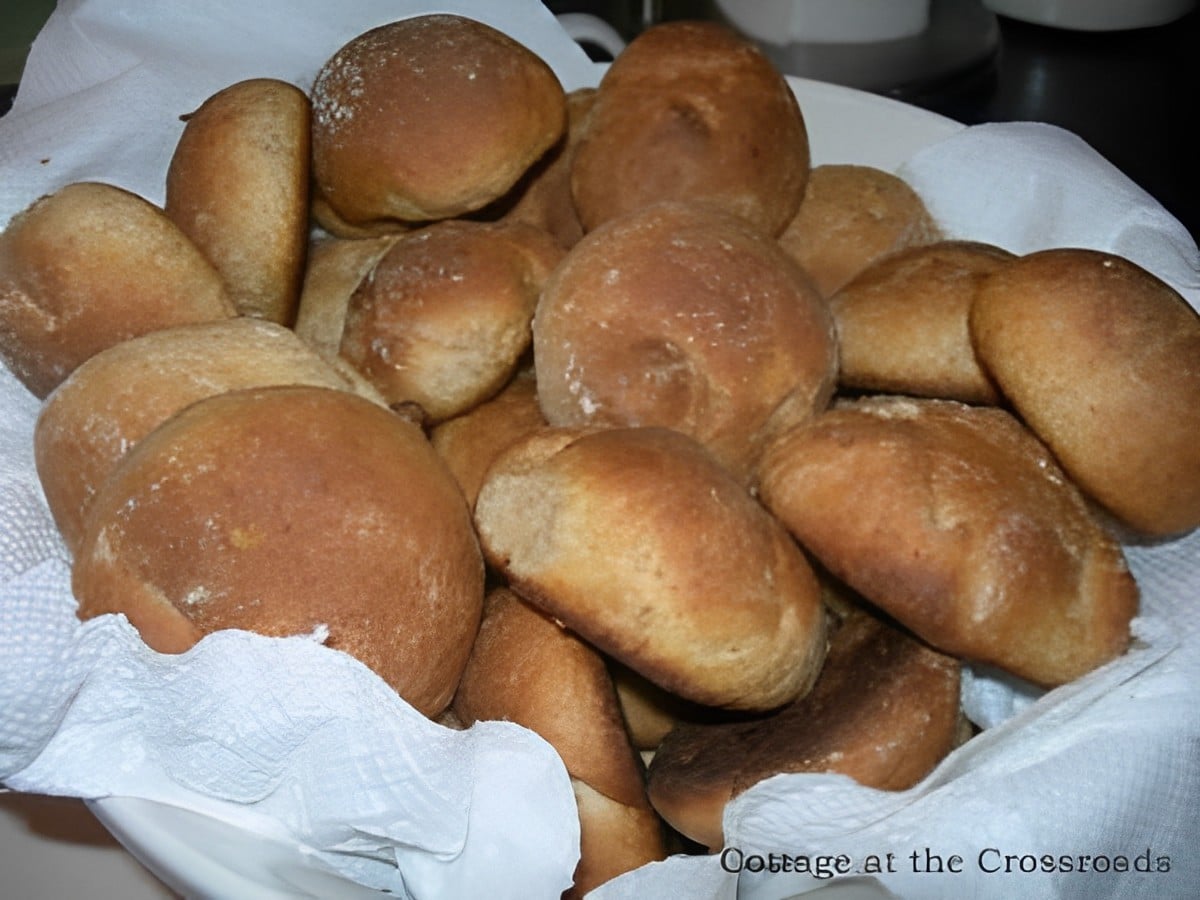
(851, 216)
(334, 269)
(902, 322)
(1102, 360)
(88, 267)
(543, 196)
(238, 184)
(684, 317)
(471, 442)
(429, 117)
(640, 542)
(691, 111)
(884, 711)
(444, 317)
(956, 521)
(525, 668)
(121, 394)
(284, 511)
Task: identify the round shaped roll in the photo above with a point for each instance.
(884, 711)
(692, 111)
(291, 510)
(238, 185)
(121, 394)
(684, 317)
(335, 268)
(471, 442)
(958, 522)
(1102, 360)
(851, 216)
(527, 669)
(429, 117)
(902, 322)
(444, 317)
(88, 267)
(641, 543)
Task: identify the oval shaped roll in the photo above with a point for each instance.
(957, 521)
(691, 111)
(89, 266)
(1102, 360)
(639, 541)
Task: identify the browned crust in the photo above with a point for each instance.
(470, 443)
(640, 542)
(884, 711)
(122, 393)
(429, 117)
(690, 111)
(88, 267)
(283, 510)
(1102, 360)
(238, 186)
(902, 322)
(683, 317)
(444, 318)
(527, 668)
(851, 216)
(959, 523)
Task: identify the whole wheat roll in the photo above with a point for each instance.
(444, 317)
(685, 317)
(691, 111)
(1102, 359)
(956, 521)
(852, 215)
(471, 442)
(884, 711)
(642, 543)
(902, 322)
(284, 511)
(238, 186)
(89, 266)
(427, 118)
(122, 393)
(526, 668)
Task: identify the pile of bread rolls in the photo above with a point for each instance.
(606, 412)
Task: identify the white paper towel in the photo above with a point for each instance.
(302, 744)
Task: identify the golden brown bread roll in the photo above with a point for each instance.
(444, 317)
(471, 442)
(640, 542)
(884, 711)
(238, 185)
(956, 521)
(1102, 360)
(88, 267)
(525, 668)
(851, 216)
(333, 271)
(691, 111)
(427, 118)
(684, 317)
(902, 322)
(285, 510)
(121, 394)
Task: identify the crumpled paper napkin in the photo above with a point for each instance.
(300, 744)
